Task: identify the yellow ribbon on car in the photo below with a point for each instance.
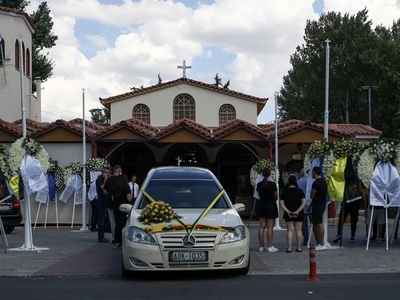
(196, 223)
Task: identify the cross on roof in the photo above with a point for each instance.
(184, 67)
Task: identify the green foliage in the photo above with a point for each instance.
(359, 56)
(42, 38)
(18, 4)
(100, 115)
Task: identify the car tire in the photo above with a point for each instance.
(9, 228)
(242, 271)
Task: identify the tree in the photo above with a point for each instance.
(359, 56)
(100, 115)
(43, 38)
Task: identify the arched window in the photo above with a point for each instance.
(184, 107)
(17, 54)
(2, 53)
(226, 113)
(28, 63)
(141, 112)
(23, 58)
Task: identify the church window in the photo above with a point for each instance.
(184, 107)
(17, 54)
(226, 113)
(141, 112)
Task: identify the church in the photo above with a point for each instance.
(180, 122)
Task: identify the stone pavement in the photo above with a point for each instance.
(76, 253)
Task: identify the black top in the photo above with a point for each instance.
(109, 187)
(267, 207)
(292, 197)
(321, 188)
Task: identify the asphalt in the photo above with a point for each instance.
(62, 252)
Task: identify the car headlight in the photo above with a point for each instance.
(137, 235)
(237, 234)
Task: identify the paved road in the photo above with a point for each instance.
(74, 253)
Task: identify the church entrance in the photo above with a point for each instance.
(134, 158)
(186, 155)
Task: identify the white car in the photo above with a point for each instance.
(206, 234)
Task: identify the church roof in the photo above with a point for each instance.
(140, 91)
(19, 13)
(346, 130)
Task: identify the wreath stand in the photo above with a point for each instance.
(3, 236)
(47, 210)
(370, 226)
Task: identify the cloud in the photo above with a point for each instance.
(129, 44)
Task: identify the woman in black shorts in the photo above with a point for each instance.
(292, 202)
(267, 210)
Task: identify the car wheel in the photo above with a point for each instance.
(9, 228)
(242, 271)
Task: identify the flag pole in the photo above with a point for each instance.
(277, 225)
(84, 225)
(28, 239)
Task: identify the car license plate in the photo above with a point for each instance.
(188, 256)
(5, 207)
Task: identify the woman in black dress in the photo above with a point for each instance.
(292, 202)
(267, 210)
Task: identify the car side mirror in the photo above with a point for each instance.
(239, 207)
(125, 208)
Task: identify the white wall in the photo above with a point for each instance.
(160, 104)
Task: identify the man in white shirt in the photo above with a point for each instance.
(134, 187)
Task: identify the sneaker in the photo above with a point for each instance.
(263, 249)
(117, 245)
(320, 248)
(103, 240)
(337, 238)
(273, 249)
(352, 240)
(378, 240)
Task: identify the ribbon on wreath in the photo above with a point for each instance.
(337, 181)
(385, 185)
(32, 175)
(73, 186)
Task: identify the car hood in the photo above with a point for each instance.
(215, 217)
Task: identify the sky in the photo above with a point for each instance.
(106, 47)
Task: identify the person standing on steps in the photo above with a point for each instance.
(267, 210)
(319, 192)
(292, 202)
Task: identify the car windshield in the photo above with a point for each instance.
(184, 193)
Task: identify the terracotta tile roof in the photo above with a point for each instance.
(190, 124)
(134, 124)
(233, 125)
(64, 124)
(92, 127)
(107, 101)
(11, 128)
(356, 129)
(18, 12)
(348, 130)
(31, 125)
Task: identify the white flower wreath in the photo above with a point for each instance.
(72, 169)
(30, 145)
(259, 167)
(365, 167)
(5, 162)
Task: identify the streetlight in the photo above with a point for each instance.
(369, 88)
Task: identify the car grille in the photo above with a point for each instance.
(204, 241)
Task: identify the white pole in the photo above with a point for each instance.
(27, 216)
(277, 226)
(84, 226)
(326, 125)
